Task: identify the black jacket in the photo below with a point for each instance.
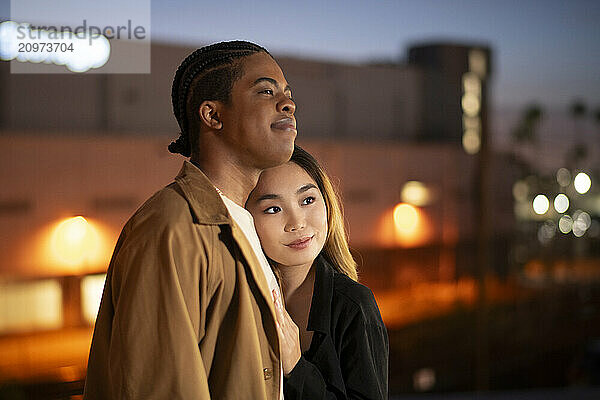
(348, 355)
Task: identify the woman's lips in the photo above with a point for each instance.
(285, 124)
(300, 243)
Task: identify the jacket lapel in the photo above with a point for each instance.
(323, 349)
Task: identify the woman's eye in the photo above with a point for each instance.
(308, 200)
(272, 210)
(267, 91)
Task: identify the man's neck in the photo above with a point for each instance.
(233, 181)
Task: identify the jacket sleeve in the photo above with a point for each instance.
(158, 295)
(305, 381)
(363, 359)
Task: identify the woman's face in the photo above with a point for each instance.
(290, 215)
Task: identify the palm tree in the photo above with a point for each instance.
(577, 110)
(526, 130)
(526, 133)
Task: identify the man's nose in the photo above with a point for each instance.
(286, 105)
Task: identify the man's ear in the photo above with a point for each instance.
(209, 114)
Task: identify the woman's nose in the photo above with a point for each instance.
(295, 224)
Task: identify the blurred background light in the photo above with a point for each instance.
(582, 183)
(563, 177)
(406, 218)
(26, 306)
(478, 62)
(75, 241)
(8, 46)
(565, 224)
(471, 122)
(578, 228)
(416, 193)
(471, 104)
(404, 225)
(583, 217)
(581, 222)
(90, 50)
(561, 203)
(540, 204)
(471, 141)
(424, 379)
(520, 191)
(471, 83)
(546, 232)
(92, 287)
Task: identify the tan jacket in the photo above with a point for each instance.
(186, 311)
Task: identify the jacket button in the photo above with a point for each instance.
(268, 373)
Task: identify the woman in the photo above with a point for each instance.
(334, 344)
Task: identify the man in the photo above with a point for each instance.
(187, 310)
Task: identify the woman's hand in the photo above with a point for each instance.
(289, 336)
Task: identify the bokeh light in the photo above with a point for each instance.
(563, 177)
(470, 104)
(565, 224)
(8, 46)
(581, 222)
(471, 141)
(546, 232)
(471, 83)
(406, 218)
(541, 204)
(478, 62)
(415, 193)
(582, 183)
(561, 203)
(75, 242)
(583, 217)
(92, 287)
(89, 49)
(520, 190)
(30, 305)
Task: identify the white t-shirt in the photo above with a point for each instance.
(245, 221)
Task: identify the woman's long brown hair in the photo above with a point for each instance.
(335, 250)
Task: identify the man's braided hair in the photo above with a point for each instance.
(207, 74)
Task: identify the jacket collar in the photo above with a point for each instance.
(319, 317)
(205, 203)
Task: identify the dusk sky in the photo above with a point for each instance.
(546, 51)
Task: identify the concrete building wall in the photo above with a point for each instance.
(104, 178)
(334, 100)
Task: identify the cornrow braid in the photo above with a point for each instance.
(207, 74)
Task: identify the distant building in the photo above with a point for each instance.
(400, 102)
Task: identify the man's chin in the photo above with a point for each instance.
(279, 157)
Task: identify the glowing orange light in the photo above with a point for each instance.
(75, 241)
(406, 219)
(404, 225)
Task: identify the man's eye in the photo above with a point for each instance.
(308, 200)
(267, 91)
(272, 210)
